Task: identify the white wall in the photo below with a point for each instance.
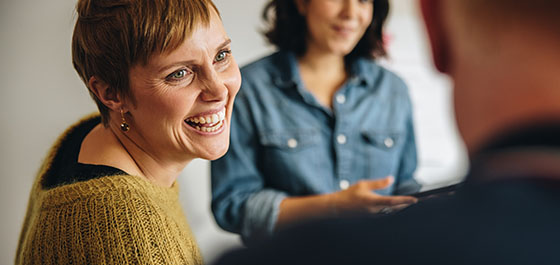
(41, 95)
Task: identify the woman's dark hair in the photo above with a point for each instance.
(287, 29)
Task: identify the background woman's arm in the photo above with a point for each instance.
(359, 198)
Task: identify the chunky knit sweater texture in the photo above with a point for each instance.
(113, 219)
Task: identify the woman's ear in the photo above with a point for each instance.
(105, 94)
(432, 13)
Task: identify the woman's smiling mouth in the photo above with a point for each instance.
(207, 122)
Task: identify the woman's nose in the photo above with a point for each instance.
(349, 9)
(213, 88)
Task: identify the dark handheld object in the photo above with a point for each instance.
(443, 191)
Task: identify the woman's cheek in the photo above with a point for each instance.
(233, 79)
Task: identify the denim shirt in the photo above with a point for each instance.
(285, 143)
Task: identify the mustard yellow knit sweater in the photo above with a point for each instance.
(117, 219)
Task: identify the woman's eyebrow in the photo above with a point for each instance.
(189, 62)
(224, 44)
(175, 64)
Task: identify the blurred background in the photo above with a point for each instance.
(41, 95)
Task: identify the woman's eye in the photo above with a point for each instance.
(177, 74)
(222, 55)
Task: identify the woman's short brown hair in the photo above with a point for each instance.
(288, 29)
(111, 36)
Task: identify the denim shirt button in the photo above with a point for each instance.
(344, 184)
(341, 139)
(389, 142)
(340, 99)
(292, 143)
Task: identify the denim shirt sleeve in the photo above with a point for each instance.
(240, 202)
(406, 183)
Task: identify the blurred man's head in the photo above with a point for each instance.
(504, 59)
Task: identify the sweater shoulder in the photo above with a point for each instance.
(111, 220)
(109, 190)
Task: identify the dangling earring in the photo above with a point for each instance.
(124, 125)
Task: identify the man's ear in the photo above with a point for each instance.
(432, 13)
(105, 94)
(301, 6)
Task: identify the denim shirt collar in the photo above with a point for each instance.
(365, 71)
(362, 71)
(288, 70)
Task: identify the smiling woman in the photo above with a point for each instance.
(165, 88)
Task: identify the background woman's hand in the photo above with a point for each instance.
(360, 198)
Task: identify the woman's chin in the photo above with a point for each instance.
(214, 152)
(212, 157)
(342, 48)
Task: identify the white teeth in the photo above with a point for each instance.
(210, 119)
(210, 129)
(213, 122)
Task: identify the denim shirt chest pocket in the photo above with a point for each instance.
(289, 156)
(383, 152)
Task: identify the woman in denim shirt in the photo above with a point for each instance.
(319, 129)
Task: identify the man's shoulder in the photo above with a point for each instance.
(478, 226)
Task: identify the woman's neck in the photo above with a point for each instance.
(323, 74)
(323, 63)
(112, 147)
